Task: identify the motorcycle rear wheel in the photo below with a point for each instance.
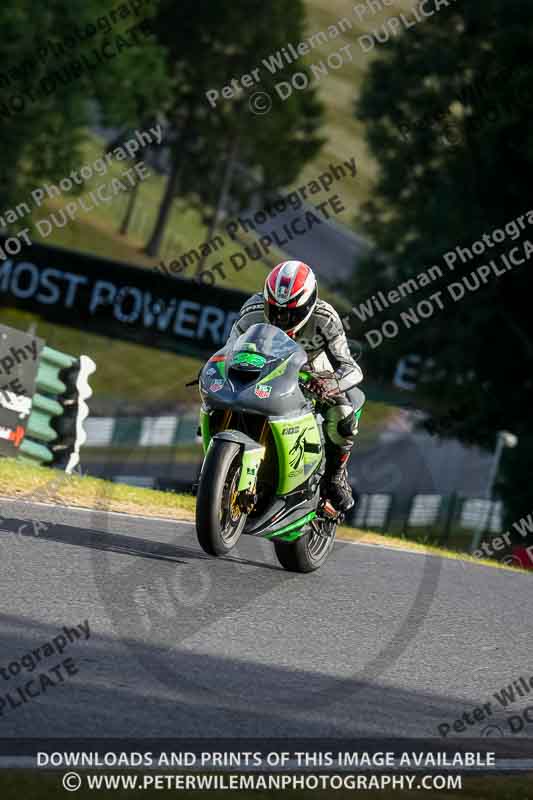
(307, 553)
(219, 522)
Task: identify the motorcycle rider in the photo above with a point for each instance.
(290, 302)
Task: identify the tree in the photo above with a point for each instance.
(46, 101)
(208, 45)
(447, 109)
(118, 141)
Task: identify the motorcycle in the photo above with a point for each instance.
(263, 452)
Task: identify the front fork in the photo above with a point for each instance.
(252, 455)
(251, 461)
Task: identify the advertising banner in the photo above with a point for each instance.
(119, 301)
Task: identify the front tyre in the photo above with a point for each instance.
(310, 551)
(219, 520)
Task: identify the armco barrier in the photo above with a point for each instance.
(142, 431)
(426, 511)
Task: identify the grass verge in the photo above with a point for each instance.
(386, 540)
(40, 484)
(24, 481)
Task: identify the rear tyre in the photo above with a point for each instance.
(310, 551)
(219, 521)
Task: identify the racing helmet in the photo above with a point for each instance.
(290, 295)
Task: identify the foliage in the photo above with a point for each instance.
(207, 46)
(43, 130)
(445, 182)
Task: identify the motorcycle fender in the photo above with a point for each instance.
(252, 455)
(204, 429)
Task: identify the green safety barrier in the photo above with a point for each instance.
(50, 365)
(52, 427)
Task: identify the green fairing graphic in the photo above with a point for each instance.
(292, 531)
(276, 373)
(297, 450)
(252, 359)
(295, 464)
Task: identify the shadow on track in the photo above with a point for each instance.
(115, 542)
(112, 542)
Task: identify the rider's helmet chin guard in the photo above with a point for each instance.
(290, 296)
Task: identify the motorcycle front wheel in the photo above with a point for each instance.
(219, 520)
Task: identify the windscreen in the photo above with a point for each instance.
(265, 340)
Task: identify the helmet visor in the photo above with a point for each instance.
(285, 318)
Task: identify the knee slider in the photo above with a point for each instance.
(341, 425)
(347, 427)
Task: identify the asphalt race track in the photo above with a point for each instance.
(377, 643)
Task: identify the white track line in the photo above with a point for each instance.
(84, 509)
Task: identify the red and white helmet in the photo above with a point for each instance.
(290, 295)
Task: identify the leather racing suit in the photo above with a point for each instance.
(324, 340)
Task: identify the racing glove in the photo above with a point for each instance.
(324, 386)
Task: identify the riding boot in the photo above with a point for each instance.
(337, 487)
